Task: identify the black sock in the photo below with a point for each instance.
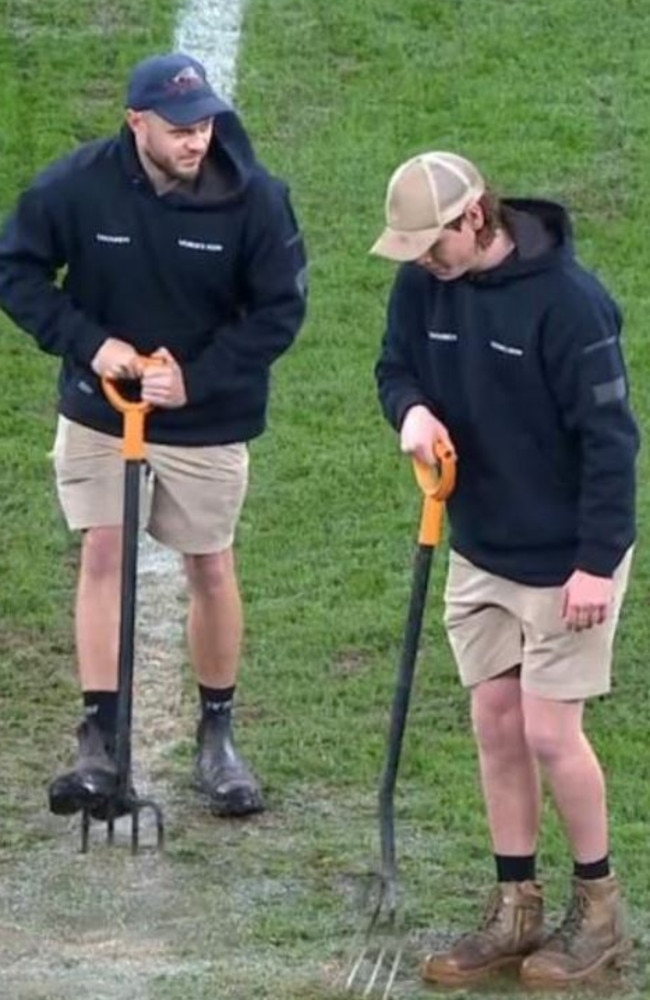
(102, 707)
(592, 869)
(515, 867)
(216, 699)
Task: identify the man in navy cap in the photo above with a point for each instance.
(175, 87)
(176, 242)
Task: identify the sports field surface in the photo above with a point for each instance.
(550, 99)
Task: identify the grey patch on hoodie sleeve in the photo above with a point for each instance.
(610, 392)
(301, 282)
(599, 344)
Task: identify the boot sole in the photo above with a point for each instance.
(458, 978)
(615, 958)
(240, 802)
(236, 804)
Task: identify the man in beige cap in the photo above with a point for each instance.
(499, 342)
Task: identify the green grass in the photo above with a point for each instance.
(549, 99)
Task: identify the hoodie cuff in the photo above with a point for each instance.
(86, 346)
(599, 560)
(407, 403)
(197, 384)
(202, 383)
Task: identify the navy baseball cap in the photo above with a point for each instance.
(175, 86)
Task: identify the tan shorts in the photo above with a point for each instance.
(191, 497)
(494, 624)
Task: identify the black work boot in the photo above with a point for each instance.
(220, 772)
(93, 779)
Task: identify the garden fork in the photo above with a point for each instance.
(125, 801)
(374, 969)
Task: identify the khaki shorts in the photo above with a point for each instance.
(494, 624)
(191, 497)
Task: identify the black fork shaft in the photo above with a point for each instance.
(127, 625)
(399, 711)
(126, 655)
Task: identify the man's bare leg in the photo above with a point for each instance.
(215, 628)
(92, 780)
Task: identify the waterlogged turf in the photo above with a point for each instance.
(550, 99)
(200, 918)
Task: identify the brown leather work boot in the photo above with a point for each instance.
(592, 936)
(512, 927)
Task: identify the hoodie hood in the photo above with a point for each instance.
(225, 172)
(543, 238)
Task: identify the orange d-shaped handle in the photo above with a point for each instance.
(133, 413)
(437, 483)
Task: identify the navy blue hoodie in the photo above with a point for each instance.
(214, 272)
(523, 364)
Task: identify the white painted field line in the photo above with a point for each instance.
(210, 31)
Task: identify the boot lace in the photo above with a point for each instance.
(489, 920)
(492, 910)
(571, 925)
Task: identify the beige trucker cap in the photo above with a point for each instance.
(424, 195)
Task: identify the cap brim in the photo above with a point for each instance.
(189, 112)
(404, 246)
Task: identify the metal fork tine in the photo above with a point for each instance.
(393, 972)
(375, 972)
(378, 949)
(349, 982)
(381, 962)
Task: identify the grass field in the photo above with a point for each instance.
(549, 99)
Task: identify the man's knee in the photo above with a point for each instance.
(553, 729)
(497, 718)
(101, 552)
(210, 573)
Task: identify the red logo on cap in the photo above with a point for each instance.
(187, 79)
